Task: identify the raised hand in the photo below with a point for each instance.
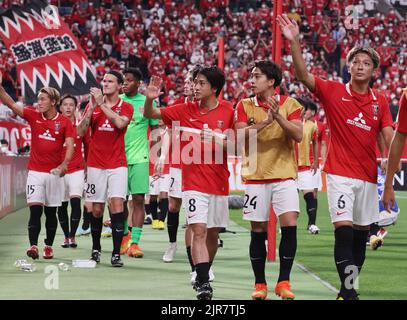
(153, 91)
(388, 197)
(289, 28)
(273, 105)
(97, 96)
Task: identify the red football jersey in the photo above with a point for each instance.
(175, 156)
(47, 139)
(208, 176)
(153, 156)
(402, 116)
(354, 121)
(106, 149)
(77, 162)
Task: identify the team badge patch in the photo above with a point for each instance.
(57, 127)
(220, 124)
(375, 107)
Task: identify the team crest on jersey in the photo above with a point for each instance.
(220, 124)
(141, 110)
(375, 107)
(57, 127)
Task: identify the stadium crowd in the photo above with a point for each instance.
(164, 38)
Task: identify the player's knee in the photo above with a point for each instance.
(174, 206)
(199, 233)
(97, 212)
(259, 226)
(138, 201)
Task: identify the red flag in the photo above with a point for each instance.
(45, 51)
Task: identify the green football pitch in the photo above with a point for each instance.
(313, 277)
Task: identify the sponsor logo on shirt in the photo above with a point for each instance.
(46, 136)
(106, 126)
(359, 122)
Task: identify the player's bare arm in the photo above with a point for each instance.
(226, 142)
(8, 101)
(314, 166)
(324, 149)
(120, 122)
(164, 150)
(291, 31)
(63, 167)
(395, 151)
(382, 150)
(292, 128)
(83, 125)
(152, 92)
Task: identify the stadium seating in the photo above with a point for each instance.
(165, 37)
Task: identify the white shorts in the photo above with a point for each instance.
(258, 198)
(73, 185)
(305, 180)
(45, 188)
(175, 183)
(352, 200)
(318, 180)
(103, 184)
(209, 209)
(159, 184)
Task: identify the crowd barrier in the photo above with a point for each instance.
(13, 178)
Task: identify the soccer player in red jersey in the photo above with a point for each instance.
(395, 152)
(74, 180)
(50, 131)
(175, 192)
(205, 182)
(356, 115)
(108, 117)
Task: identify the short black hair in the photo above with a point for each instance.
(117, 74)
(194, 71)
(311, 106)
(307, 104)
(83, 105)
(69, 96)
(271, 70)
(136, 72)
(215, 76)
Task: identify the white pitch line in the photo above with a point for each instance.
(324, 283)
